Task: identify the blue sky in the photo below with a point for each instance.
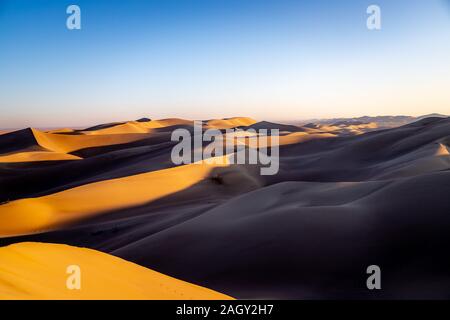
(268, 59)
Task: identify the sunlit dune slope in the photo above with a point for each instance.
(139, 126)
(33, 215)
(61, 130)
(65, 143)
(442, 150)
(37, 156)
(230, 123)
(349, 128)
(38, 271)
(149, 125)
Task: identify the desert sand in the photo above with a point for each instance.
(38, 271)
(348, 195)
(33, 215)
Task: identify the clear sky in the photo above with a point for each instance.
(267, 59)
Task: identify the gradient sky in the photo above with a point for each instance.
(268, 59)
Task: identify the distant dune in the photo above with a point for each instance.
(230, 122)
(38, 271)
(380, 121)
(349, 193)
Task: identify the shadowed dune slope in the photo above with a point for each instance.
(288, 240)
(313, 240)
(400, 152)
(38, 271)
(20, 140)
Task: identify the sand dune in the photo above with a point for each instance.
(138, 126)
(348, 128)
(38, 271)
(314, 240)
(230, 123)
(380, 121)
(69, 143)
(62, 130)
(347, 195)
(35, 140)
(39, 214)
(147, 125)
(68, 140)
(32, 156)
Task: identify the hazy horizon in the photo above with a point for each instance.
(285, 121)
(270, 60)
